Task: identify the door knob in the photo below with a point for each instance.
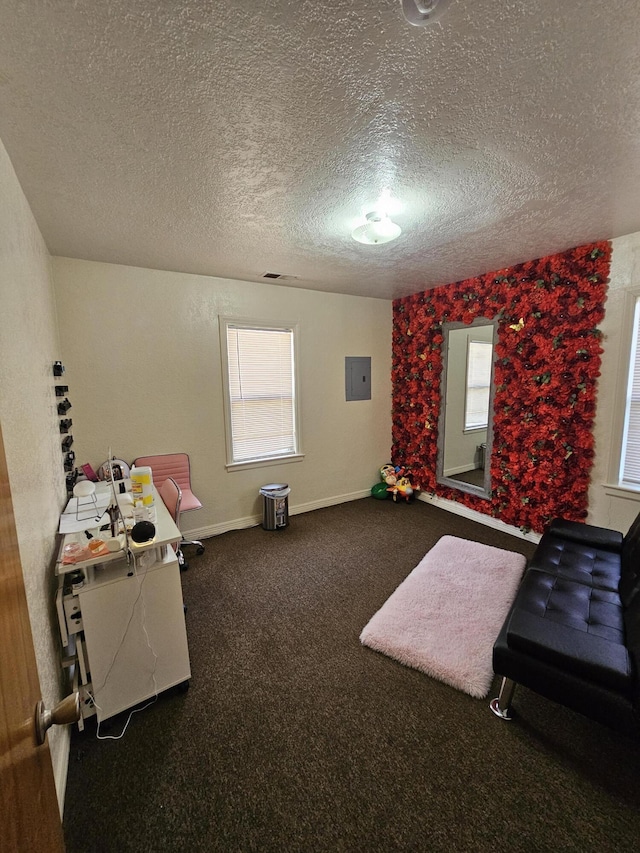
(65, 712)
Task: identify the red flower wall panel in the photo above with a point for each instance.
(545, 379)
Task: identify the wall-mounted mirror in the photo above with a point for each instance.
(465, 431)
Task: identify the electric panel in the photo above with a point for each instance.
(358, 377)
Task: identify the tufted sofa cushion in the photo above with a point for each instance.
(572, 626)
(583, 563)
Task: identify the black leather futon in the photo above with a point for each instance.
(573, 632)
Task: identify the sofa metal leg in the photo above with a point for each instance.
(501, 706)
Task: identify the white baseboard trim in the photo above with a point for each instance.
(450, 506)
(222, 527)
(255, 520)
(336, 499)
(61, 766)
(474, 515)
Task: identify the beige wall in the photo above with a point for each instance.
(608, 506)
(142, 353)
(112, 318)
(28, 348)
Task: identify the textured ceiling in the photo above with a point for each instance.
(234, 138)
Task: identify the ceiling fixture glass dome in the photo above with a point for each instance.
(419, 13)
(378, 229)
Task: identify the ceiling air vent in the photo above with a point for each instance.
(280, 276)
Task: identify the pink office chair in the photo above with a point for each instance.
(176, 467)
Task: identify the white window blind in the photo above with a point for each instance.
(476, 410)
(262, 410)
(630, 461)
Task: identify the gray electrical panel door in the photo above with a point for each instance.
(357, 377)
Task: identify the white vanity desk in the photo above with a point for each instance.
(123, 630)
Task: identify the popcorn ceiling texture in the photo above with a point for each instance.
(232, 139)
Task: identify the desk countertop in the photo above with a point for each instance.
(167, 532)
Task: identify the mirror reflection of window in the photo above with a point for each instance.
(465, 425)
(478, 385)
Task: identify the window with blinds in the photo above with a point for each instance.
(630, 458)
(476, 408)
(260, 392)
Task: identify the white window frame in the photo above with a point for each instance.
(475, 427)
(614, 487)
(275, 458)
(631, 403)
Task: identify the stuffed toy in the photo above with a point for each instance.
(395, 482)
(403, 488)
(388, 474)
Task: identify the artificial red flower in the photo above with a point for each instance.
(547, 362)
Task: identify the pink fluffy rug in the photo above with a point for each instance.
(445, 616)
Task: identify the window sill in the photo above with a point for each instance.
(624, 492)
(264, 463)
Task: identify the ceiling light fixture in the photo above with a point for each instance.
(378, 229)
(419, 13)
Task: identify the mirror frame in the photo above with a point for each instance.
(483, 491)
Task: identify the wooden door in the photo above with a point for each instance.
(29, 815)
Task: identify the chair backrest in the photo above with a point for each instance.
(174, 465)
(171, 495)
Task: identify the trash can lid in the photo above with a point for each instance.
(275, 490)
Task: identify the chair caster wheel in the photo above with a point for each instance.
(184, 686)
(200, 550)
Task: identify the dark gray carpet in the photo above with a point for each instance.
(474, 477)
(294, 737)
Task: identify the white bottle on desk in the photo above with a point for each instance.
(139, 512)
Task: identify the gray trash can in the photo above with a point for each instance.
(482, 450)
(275, 505)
